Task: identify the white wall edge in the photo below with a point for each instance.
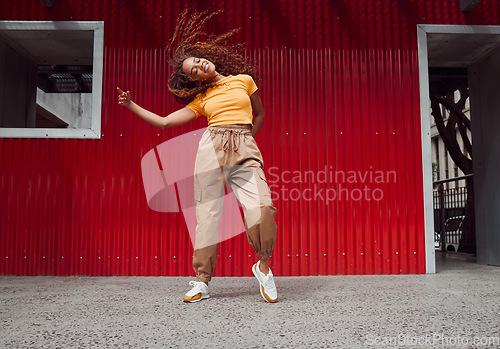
(425, 123)
(97, 79)
(78, 133)
(458, 29)
(51, 25)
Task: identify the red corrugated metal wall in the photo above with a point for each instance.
(340, 90)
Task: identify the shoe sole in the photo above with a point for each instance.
(197, 300)
(260, 285)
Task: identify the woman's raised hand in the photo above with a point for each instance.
(123, 97)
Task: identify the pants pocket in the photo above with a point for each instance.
(197, 195)
(261, 174)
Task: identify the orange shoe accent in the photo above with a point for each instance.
(267, 297)
(192, 299)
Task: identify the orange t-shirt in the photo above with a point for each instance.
(226, 103)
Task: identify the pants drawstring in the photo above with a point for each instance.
(230, 136)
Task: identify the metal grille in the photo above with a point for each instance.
(449, 216)
(65, 79)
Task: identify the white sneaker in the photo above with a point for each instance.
(197, 293)
(266, 284)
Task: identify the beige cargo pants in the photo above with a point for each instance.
(228, 154)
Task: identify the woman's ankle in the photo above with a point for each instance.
(264, 267)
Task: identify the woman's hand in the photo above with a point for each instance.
(176, 118)
(123, 97)
(258, 111)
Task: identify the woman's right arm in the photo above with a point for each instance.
(176, 118)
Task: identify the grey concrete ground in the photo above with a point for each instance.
(457, 307)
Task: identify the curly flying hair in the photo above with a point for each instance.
(190, 41)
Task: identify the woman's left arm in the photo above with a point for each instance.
(258, 111)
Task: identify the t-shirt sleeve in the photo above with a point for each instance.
(195, 107)
(251, 86)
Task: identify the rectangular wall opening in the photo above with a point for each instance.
(51, 79)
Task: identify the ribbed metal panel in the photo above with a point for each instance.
(340, 90)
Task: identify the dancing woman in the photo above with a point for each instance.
(211, 78)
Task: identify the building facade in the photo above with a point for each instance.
(342, 142)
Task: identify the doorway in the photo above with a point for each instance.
(476, 49)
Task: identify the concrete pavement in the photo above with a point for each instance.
(459, 306)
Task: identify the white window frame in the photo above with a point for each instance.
(94, 132)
